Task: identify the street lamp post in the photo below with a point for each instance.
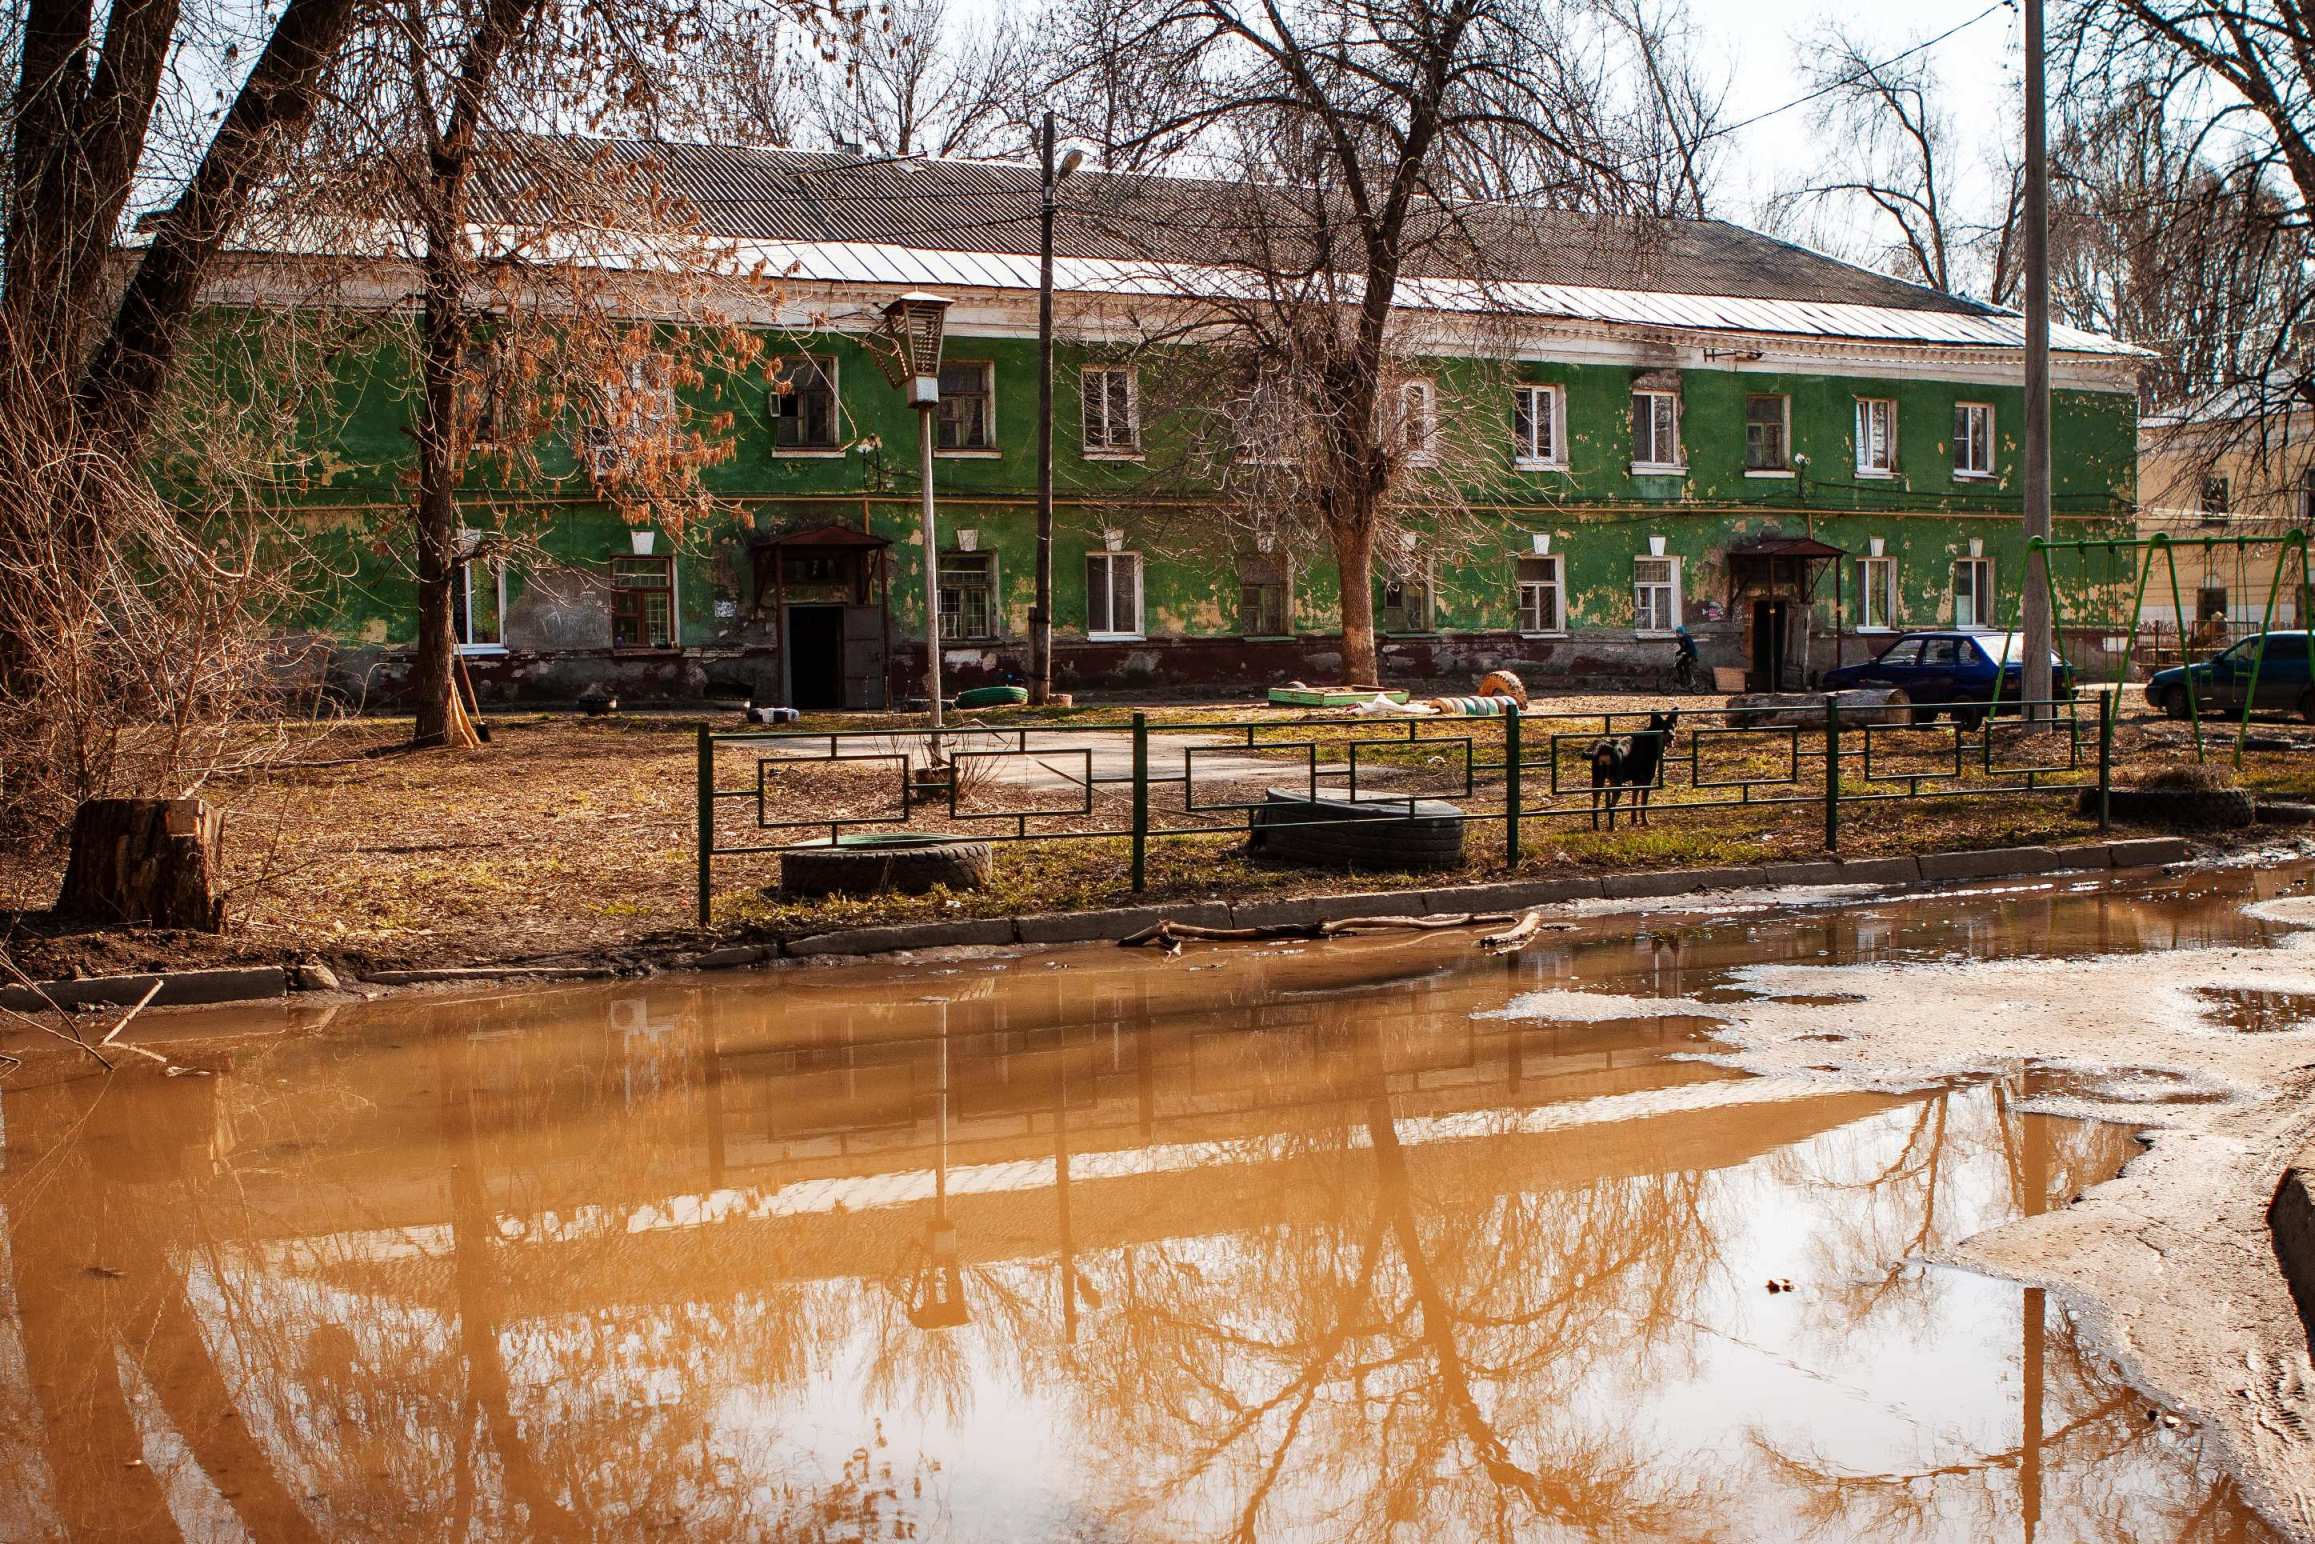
(1041, 612)
(913, 324)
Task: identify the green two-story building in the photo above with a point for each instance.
(1788, 456)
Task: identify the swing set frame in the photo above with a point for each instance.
(2167, 546)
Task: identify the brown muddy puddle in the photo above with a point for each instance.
(2255, 1011)
(1087, 1245)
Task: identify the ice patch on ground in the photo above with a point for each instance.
(1566, 1007)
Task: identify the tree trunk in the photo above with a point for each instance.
(144, 863)
(441, 349)
(1354, 546)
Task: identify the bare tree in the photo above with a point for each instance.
(1678, 116)
(915, 84)
(1342, 130)
(1890, 153)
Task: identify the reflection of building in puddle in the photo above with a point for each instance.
(2255, 1011)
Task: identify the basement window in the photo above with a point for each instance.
(643, 603)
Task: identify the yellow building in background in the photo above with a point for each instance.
(2223, 475)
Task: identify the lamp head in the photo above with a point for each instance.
(913, 325)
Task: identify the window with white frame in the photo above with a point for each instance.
(967, 416)
(1265, 596)
(1972, 439)
(1406, 604)
(968, 595)
(1876, 594)
(1655, 594)
(1113, 595)
(1112, 411)
(1261, 420)
(1538, 426)
(1768, 435)
(1876, 437)
(1656, 431)
(479, 601)
(1973, 592)
(1539, 596)
(1415, 429)
(629, 417)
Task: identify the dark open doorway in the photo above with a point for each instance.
(1768, 645)
(815, 647)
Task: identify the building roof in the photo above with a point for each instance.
(991, 207)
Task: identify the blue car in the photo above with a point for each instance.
(2222, 682)
(1951, 667)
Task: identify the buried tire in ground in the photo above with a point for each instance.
(1371, 833)
(881, 864)
(2179, 809)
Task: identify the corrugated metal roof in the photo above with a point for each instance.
(851, 262)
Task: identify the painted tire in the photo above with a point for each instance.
(877, 865)
(1372, 835)
(993, 697)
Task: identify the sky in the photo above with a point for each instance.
(1757, 46)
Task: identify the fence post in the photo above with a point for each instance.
(2105, 756)
(1511, 795)
(706, 814)
(1832, 772)
(1140, 799)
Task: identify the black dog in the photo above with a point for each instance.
(1633, 762)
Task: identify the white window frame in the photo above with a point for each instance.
(468, 542)
(827, 365)
(1966, 439)
(1784, 468)
(1140, 618)
(1093, 387)
(996, 617)
(1556, 584)
(1647, 466)
(1526, 454)
(995, 447)
(1640, 607)
(1867, 409)
(1876, 595)
(1978, 595)
(1415, 404)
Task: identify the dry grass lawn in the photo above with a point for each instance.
(573, 838)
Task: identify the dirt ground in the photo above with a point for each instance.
(571, 839)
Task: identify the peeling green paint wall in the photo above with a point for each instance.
(1599, 514)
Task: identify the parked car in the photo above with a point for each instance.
(2221, 682)
(1952, 667)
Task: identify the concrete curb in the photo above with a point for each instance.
(179, 988)
(2291, 1222)
(1506, 895)
(185, 988)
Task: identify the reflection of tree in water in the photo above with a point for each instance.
(2125, 1478)
(1393, 1358)
(1962, 1161)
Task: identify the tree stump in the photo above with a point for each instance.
(144, 863)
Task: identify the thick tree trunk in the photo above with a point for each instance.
(144, 863)
(442, 351)
(1354, 552)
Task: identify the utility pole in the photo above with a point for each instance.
(2034, 607)
(1041, 610)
